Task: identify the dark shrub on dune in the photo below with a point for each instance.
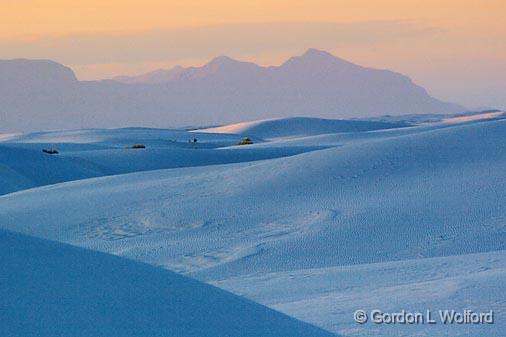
(245, 141)
(138, 146)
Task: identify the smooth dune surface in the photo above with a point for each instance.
(300, 127)
(51, 289)
(396, 218)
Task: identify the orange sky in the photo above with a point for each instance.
(457, 49)
(64, 17)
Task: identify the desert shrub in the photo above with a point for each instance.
(138, 146)
(245, 141)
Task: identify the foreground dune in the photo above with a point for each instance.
(51, 289)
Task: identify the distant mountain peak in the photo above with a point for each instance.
(26, 73)
(225, 62)
(222, 60)
(223, 66)
(315, 84)
(317, 53)
(314, 57)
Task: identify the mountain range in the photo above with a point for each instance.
(42, 94)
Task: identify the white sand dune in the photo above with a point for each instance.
(300, 127)
(476, 117)
(94, 153)
(371, 204)
(327, 297)
(50, 289)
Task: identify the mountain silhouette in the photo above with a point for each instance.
(38, 94)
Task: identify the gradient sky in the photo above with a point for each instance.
(456, 49)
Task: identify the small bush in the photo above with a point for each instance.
(245, 141)
(138, 146)
(50, 151)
